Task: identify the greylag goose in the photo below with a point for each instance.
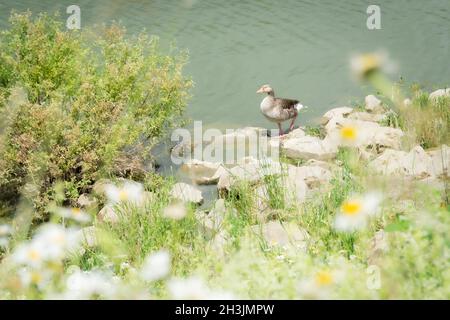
(278, 109)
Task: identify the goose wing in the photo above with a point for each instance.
(286, 103)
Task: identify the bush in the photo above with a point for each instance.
(93, 99)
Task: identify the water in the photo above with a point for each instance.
(301, 48)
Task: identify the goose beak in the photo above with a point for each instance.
(260, 90)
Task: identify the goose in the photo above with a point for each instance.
(279, 109)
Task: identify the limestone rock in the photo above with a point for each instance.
(88, 236)
(373, 104)
(85, 201)
(308, 147)
(366, 116)
(108, 215)
(439, 93)
(283, 235)
(417, 163)
(187, 193)
(201, 172)
(340, 112)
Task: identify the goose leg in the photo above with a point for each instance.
(280, 129)
(291, 126)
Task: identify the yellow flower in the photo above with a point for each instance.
(351, 207)
(363, 65)
(324, 278)
(349, 133)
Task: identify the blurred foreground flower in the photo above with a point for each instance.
(156, 266)
(38, 278)
(128, 192)
(83, 285)
(75, 214)
(51, 243)
(176, 211)
(364, 65)
(320, 285)
(355, 212)
(195, 289)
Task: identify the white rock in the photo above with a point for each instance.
(373, 104)
(284, 235)
(439, 93)
(365, 116)
(340, 112)
(308, 147)
(313, 176)
(249, 170)
(407, 102)
(107, 214)
(86, 200)
(440, 160)
(88, 236)
(201, 172)
(370, 133)
(187, 193)
(212, 222)
(417, 163)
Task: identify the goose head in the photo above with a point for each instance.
(265, 89)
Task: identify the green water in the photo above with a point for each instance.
(301, 48)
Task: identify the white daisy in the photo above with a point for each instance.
(355, 212)
(362, 65)
(128, 192)
(75, 214)
(83, 285)
(39, 278)
(320, 285)
(156, 266)
(194, 288)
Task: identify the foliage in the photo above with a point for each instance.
(93, 99)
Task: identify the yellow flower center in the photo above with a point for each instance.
(369, 62)
(33, 255)
(324, 278)
(351, 208)
(76, 211)
(36, 277)
(123, 195)
(349, 133)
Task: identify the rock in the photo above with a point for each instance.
(417, 163)
(99, 186)
(250, 170)
(379, 246)
(219, 242)
(283, 235)
(440, 161)
(439, 93)
(290, 187)
(373, 104)
(187, 193)
(313, 176)
(308, 147)
(407, 102)
(322, 164)
(201, 172)
(85, 201)
(369, 133)
(296, 133)
(365, 116)
(108, 215)
(88, 236)
(212, 222)
(340, 112)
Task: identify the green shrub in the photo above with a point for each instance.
(95, 101)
